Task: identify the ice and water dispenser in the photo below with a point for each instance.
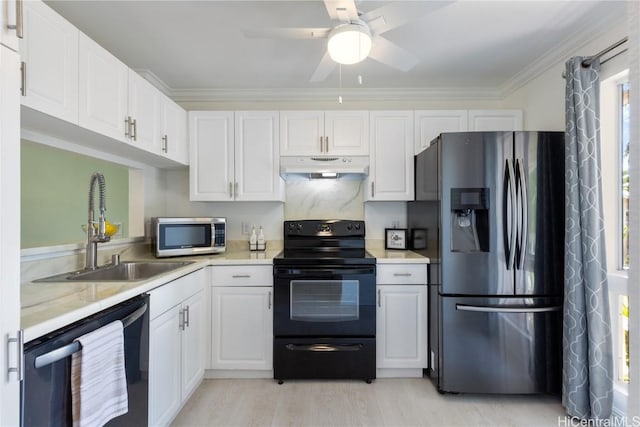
(469, 220)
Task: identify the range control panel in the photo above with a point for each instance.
(324, 228)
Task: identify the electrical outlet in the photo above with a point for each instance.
(246, 228)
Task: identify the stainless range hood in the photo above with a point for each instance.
(353, 167)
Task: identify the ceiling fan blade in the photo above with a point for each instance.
(325, 68)
(341, 10)
(287, 33)
(390, 54)
(395, 14)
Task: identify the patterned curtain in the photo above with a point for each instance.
(587, 383)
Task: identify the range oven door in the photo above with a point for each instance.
(312, 301)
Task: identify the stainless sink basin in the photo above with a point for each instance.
(127, 271)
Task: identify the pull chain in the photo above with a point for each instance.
(340, 87)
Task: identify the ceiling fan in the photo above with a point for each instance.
(355, 36)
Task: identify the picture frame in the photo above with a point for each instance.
(396, 238)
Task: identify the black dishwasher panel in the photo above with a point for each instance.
(46, 390)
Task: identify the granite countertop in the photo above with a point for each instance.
(47, 306)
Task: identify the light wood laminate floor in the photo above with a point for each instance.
(385, 402)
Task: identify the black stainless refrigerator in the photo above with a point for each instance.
(492, 204)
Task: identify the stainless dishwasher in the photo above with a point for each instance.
(46, 388)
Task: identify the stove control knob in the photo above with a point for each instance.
(299, 227)
(349, 227)
(357, 226)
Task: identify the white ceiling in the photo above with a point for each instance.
(196, 46)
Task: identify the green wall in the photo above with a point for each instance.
(55, 194)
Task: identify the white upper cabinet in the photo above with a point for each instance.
(174, 143)
(391, 156)
(304, 133)
(11, 24)
(431, 123)
(49, 52)
(257, 156)
(143, 114)
(103, 91)
(234, 159)
(211, 155)
(495, 120)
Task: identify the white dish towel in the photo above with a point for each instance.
(98, 378)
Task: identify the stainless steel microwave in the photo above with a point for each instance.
(189, 236)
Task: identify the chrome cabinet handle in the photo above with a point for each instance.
(134, 134)
(269, 306)
(402, 274)
(19, 369)
(326, 144)
(241, 276)
(165, 144)
(379, 299)
(372, 190)
(187, 316)
(18, 26)
(235, 189)
(127, 126)
(321, 145)
(23, 78)
(181, 317)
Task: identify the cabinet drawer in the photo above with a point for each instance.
(242, 275)
(174, 292)
(402, 274)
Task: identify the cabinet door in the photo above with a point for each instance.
(257, 156)
(401, 326)
(103, 90)
(164, 367)
(391, 156)
(495, 120)
(431, 123)
(9, 230)
(50, 53)
(300, 133)
(211, 155)
(193, 340)
(174, 123)
(241, 328)
(347, 132)
(8, 18)
(144, 110)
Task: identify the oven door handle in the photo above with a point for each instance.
(315, 273)
(324, 347)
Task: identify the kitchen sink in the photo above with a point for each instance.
(127, 271)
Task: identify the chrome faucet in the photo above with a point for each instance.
(95, 236)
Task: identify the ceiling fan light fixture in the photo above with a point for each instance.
(349, 43)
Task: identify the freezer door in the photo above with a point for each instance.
(477, 213)
(539, 170)
(500, 345)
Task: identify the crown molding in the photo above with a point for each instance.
(155, 81)
(590, 31)
(332, 94)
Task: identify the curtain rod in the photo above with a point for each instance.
(587, 62)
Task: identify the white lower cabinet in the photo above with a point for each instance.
(401, 330)
(177, 345)
(241, 319)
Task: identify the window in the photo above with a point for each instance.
(623, 300)
(624, 173)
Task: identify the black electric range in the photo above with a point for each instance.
(324, 302)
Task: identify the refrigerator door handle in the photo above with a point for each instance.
(507, 309)
(524, 211)
(510, 227)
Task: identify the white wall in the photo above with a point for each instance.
(542, 99)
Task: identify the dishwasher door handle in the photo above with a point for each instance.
(67, 350)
